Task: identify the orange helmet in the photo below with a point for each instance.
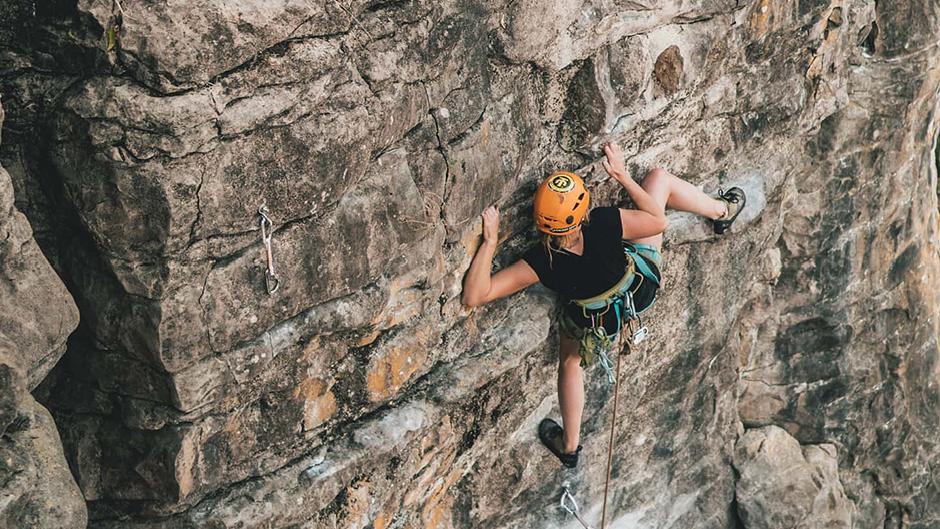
(561, 202)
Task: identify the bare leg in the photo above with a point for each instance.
(570, 391)
(675, 193)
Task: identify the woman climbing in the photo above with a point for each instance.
(602, 269)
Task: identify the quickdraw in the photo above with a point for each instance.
(271, 280)
(596, 342)
(570, 505)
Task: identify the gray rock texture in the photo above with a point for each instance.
(143, 138)
(36, 488)
(36, 316)
(774, 467)
(37, 313)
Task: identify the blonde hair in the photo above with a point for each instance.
(554, 243)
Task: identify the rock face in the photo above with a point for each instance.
(145, 136)
(773, 466)
(36, 316)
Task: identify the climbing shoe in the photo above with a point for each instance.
(553, 437)
(735, 200)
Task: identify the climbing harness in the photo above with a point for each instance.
(271, 280)
(570, 505)
(595, 341)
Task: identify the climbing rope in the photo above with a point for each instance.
(570, 505)
(604, 361)
(636, 337)
(271, 280)
(624, 350)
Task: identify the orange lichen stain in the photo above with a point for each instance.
(380, 522)
(404, 302)
(369, 338)
(394, 366)
(437, 509)
(358, 499)
(433, 449)
(319, 402)
(311, 349)
(185, 463)
(428, 489)
(760, 17)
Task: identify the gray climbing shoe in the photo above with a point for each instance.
(735, 199)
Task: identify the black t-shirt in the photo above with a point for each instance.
(600, 266)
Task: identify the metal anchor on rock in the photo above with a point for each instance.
(271, 280)
(570, 505)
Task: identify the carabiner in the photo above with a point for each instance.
(271, 280)
(573, 510)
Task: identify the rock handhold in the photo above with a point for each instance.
(668, 70)
(782, 484)
(36, 488)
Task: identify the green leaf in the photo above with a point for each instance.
(112, 37)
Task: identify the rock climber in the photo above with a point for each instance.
(608, 259)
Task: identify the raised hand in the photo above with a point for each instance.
(614, 164)
(491, 225)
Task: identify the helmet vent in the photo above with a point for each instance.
(569, 219)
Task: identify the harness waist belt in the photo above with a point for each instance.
(637, 263)
(604, 300)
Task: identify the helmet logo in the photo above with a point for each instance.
(561, 183)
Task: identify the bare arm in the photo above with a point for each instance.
(479, 286)
(649, 218)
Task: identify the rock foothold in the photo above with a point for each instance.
(783, 484)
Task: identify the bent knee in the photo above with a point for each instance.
(569, 353)
(570, 364)
(656, 173)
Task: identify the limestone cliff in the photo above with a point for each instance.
(36, 316)
(790, 377)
